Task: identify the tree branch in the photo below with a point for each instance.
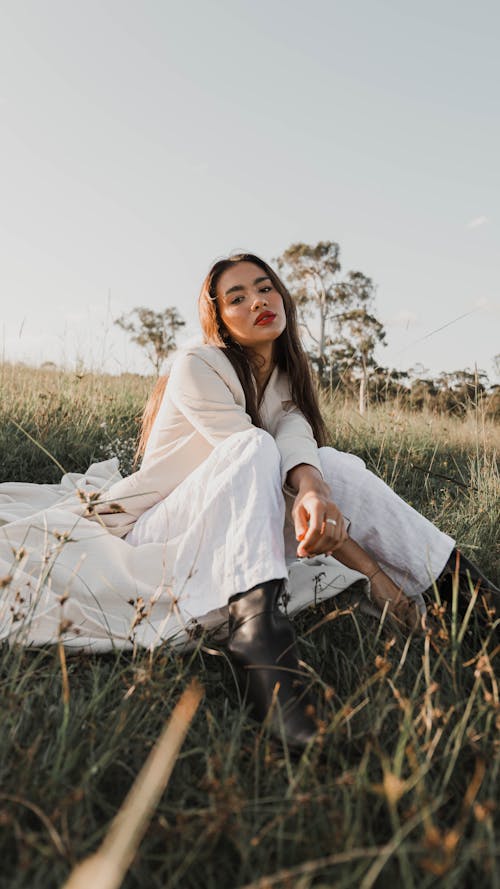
(304, 324)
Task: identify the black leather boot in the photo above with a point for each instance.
(262, 645)
(468, 574)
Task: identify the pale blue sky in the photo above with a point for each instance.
(141, 140)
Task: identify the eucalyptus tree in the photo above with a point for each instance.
(336, 311)
(154, 332)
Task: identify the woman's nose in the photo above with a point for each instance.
(260, 299)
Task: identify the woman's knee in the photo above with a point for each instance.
(254, 444)
(334, 462)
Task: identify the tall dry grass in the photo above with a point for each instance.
(78, 418)
(403, 788)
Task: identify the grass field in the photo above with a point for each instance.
(404, 789)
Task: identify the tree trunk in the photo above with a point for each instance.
(362, 391)
(321, 362)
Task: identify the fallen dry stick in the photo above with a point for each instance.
(108, 866)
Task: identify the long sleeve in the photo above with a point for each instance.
(199, 410)
(296, 443)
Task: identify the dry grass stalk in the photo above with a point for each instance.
(108, 866)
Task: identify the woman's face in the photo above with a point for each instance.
(250, 307)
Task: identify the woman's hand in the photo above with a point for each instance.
(310, 511)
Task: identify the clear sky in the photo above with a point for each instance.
(141, 140)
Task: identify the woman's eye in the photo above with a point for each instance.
(236, 300)
(265, 289)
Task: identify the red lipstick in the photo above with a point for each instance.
(265, 318)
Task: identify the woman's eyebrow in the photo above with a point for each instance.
(241, 286)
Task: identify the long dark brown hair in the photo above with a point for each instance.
(289, 354)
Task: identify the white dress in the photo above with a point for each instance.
(223, 529)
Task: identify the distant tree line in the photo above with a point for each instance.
(448, 393)
(341, 334)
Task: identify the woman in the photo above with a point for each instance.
(252, 374)
(236, 505)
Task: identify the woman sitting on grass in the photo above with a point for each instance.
(238, 440)
(238, 511)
